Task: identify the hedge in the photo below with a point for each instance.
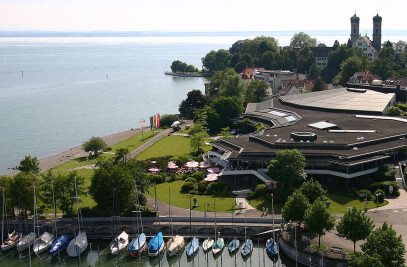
(385, 187)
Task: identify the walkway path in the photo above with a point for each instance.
(396, 203)
(150, 142)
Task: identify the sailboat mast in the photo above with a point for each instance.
(55, 210)
(205, 218)
(139, 209)
(214, 208)
(172, 231)
(35, 207)
(272, 214)
(2, 220)
(77, 202)
(245, 217)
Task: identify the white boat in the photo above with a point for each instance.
(175, 245)
(25, 242)
(11, 241)
(43, 243)
(218, 246)
(77, 245)
(207, 244)
(120, 243)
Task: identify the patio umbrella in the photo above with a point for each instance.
(192, 164)
(172, 165)
(214, 170)
(154, 170)
(153, 162)
(211, 177)
(204, 164)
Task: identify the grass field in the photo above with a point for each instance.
(173, 145)
(339, 203)
(178, 199)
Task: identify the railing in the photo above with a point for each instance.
(341, 174)
(246, 172)
(402, 173)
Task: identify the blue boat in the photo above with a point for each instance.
(59, 244)
(218, 246)
(234, 245)
(247, 248)
(156, 245)
(272, 247)
(192, 247)
(138, 245)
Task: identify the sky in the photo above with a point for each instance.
(192, 15)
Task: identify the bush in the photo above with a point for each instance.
(202, 187)
(386, 173)
(384, 186)
(394, 111)
(190, 180)
(260, 190)
(217, 187)
(166, 120)
(381, 195)
(251, 196)
(187, 186)
(363, 193)
(199, 175)
(155, 178)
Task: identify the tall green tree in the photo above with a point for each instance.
(348, 68)
(121, 154)
(259, 45)
(208, 118)
(233, 86)
(312, 190)
(302, 39)
(319, 85)
(288, 168)
(195, 100)
(23, 183)
(384, 242)
(94, 144)
(354, 226)
(313, 72)
(216, 60)
(318, 219)
(256, 91)
(364, 260)
(295, 207)
(305, 59)
(197, 141)
(245, 61)
(29, 164)
(65, 191)
(227, 108)
(218, 79)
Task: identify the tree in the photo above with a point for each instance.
(227, 108)
(195, 100)
(384, 242)
(218, 79)
(394, 111)
(336, 45)
(313, 72)
(197, 139)
(29, 164)
(256, 91)
(245, 61)
(302, 39)
(318, 219)
(295, 207)
(94, 144)
(216, 60)
(109, 177)
(348, 68)
(121, 154)
(65, 191)
(166, 120)
(386, 64)
(257, 46)
(208, 118)
(318, 86)
(268, 60)
(363, 260)
(288, 168)
(312, 191)
(305, 59)
(232, 86)
(22, 183)
(354, 226)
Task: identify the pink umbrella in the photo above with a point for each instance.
(172, 165)
(154, 170)
(211, 177)
(214, 170)
(204, 164)
(153, 162)
(192, 164)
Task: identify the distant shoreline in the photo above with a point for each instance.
(186, 74)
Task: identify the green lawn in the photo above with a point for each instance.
(173, 145)
(178, 199)
(339, 203)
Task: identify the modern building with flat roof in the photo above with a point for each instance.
(341, 138)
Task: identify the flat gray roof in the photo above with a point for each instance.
(342, 99)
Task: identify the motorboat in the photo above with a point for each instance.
(120, 243)
(192, 247)
(25, 242)
(11, 241)
(175, 245)
(77, 245)
(43, 243)
(59, 244)
(156, 245)
(138, 245)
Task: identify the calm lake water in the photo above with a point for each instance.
(102, 257)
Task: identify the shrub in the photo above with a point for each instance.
(188, 186)
(381, 195)
(166, 120)
(190, 180)
(394, 111)
(363, 193)
(199, 175)
(384, 186)
(260, 190)
(251, 196)
(217, 187)
(386, 173)
(202, 187)
(155, 178)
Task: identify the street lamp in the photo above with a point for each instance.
(377, 200)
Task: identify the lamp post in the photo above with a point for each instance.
(377, 201)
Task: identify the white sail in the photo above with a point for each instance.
(77, 245)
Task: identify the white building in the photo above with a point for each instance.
(275, 78)
(364, 43)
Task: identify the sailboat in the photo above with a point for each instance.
(156, 244)
(139, 244)
(220, 243)
(235, 243)
(43, 243)
(61, 242)
(13, 237)
(192, 247)
(271, 245)
(176, 243)
(80, 242)
(28, 240)
(121, 241)
(248, 243)
(208, 243)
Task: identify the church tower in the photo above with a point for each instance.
(377, 32)
(354, 23)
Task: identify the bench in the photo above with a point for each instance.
(336, 249)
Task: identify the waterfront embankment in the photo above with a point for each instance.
(204, 75)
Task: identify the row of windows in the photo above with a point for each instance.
(321, 59)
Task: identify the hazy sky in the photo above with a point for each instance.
(192, 15)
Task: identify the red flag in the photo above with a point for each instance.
(158, 119)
